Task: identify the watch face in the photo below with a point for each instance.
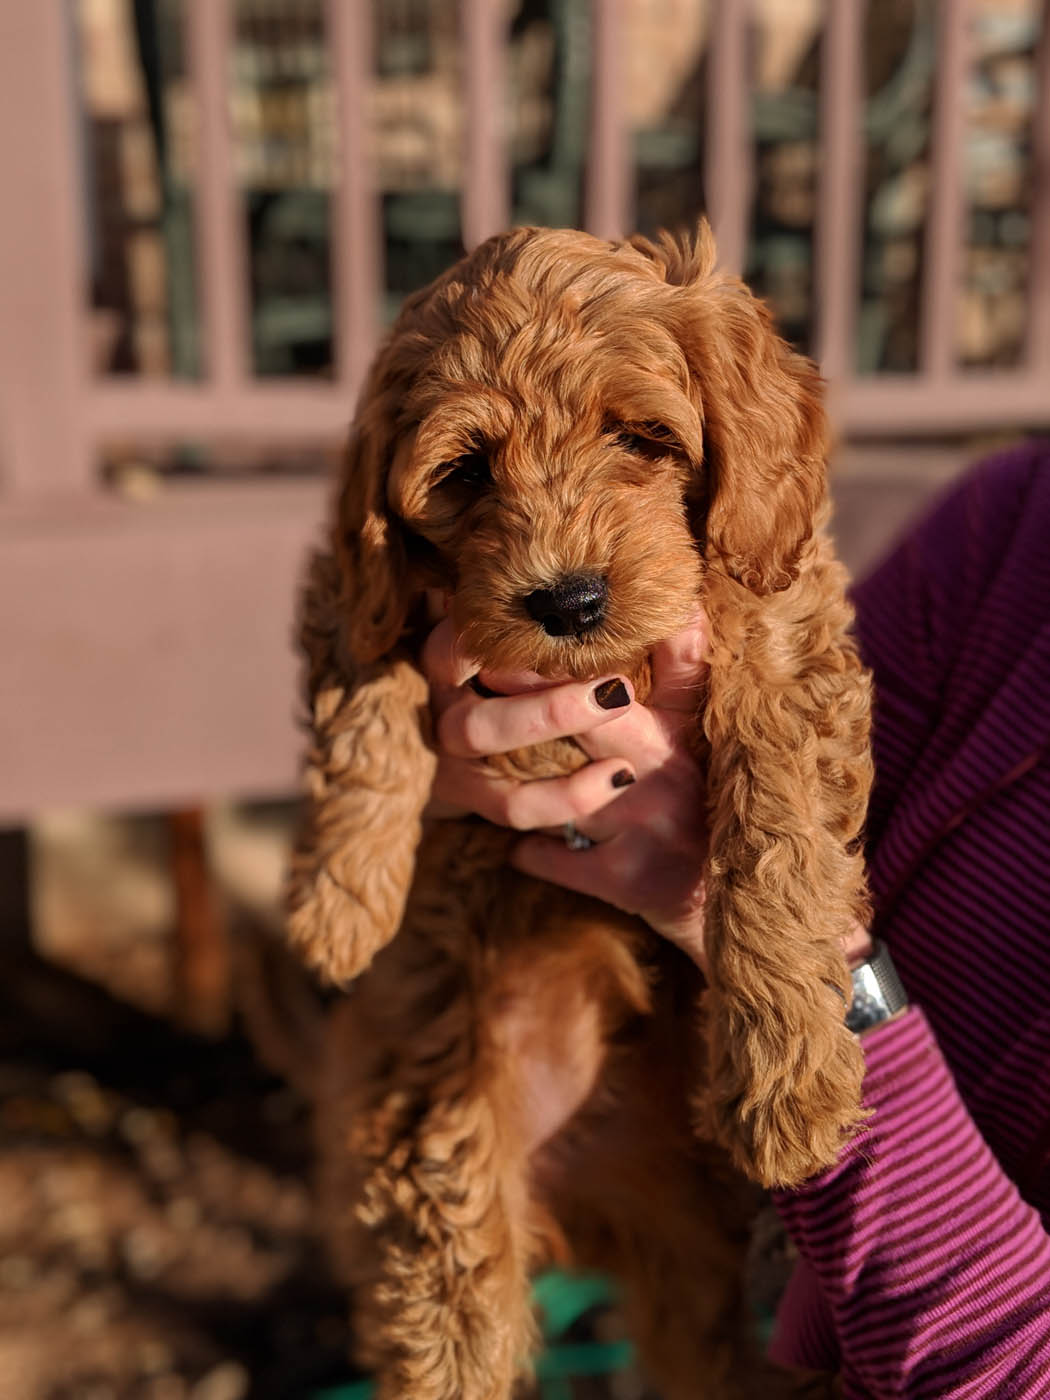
(866, 1011)
(877, 992)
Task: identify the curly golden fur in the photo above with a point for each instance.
(556, 406)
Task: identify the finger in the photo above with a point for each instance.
(680, 667)
(555, 801)
(605, 872)
(463, 785)
(445, 811)
(514, 682)
(618, 873)
(475, 728)
(442, 660)
(663, 811)
(438, 602)
(637, 735)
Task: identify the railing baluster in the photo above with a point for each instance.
(43, 325)
(222, 260)
(840, 190)
(1038, 338)
(486, 193)
(356, 256)
(945, 222)
(728, 155)
(607, 210)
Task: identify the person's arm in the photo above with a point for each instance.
(933, 1274)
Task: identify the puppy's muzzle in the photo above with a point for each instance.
(571, 607)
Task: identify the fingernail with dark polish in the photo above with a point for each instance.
(611, 695)
(624, 778)
(479, 687)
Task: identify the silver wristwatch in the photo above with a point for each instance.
(878, 993)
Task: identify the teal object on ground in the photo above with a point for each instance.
(562, 1299)
(353, 1390)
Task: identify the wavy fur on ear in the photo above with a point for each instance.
(368, 767)
(765, 434)
(787, 721)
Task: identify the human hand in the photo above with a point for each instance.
(650, 831)
(641, 799)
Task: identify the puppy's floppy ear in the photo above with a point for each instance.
(786, 720)
(368, 766)
(367, 541)
(765, 432)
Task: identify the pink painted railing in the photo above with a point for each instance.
(146, 645)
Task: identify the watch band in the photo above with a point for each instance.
(878, 993)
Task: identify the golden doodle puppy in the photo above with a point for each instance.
(579, 442)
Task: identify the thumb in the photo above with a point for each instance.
(680, 667)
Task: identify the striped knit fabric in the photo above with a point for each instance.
(925, 1254)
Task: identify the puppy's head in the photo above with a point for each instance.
(563, 433)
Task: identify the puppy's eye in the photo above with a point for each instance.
(632, 442)
(647, 440)
(471, 469)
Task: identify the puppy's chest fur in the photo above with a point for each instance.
(517, 942)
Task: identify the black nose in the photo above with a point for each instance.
(571, 607)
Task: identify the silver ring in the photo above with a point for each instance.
(575, 840)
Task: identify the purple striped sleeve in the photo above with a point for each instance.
(919, 1254)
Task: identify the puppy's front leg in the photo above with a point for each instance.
(436, 1246)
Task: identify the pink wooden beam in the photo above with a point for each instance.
(486, 189)
(728, 155)
(945, 222)
(840, 196)
(883, 405)
(222, 255)
(896, 405)
(43, 340)
(183, 503)
(160, 411)
(155, 665)
(356, 256)
(607, 203)
(1038, 340)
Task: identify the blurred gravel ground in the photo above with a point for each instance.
(158, 1239)
(156, 1234)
